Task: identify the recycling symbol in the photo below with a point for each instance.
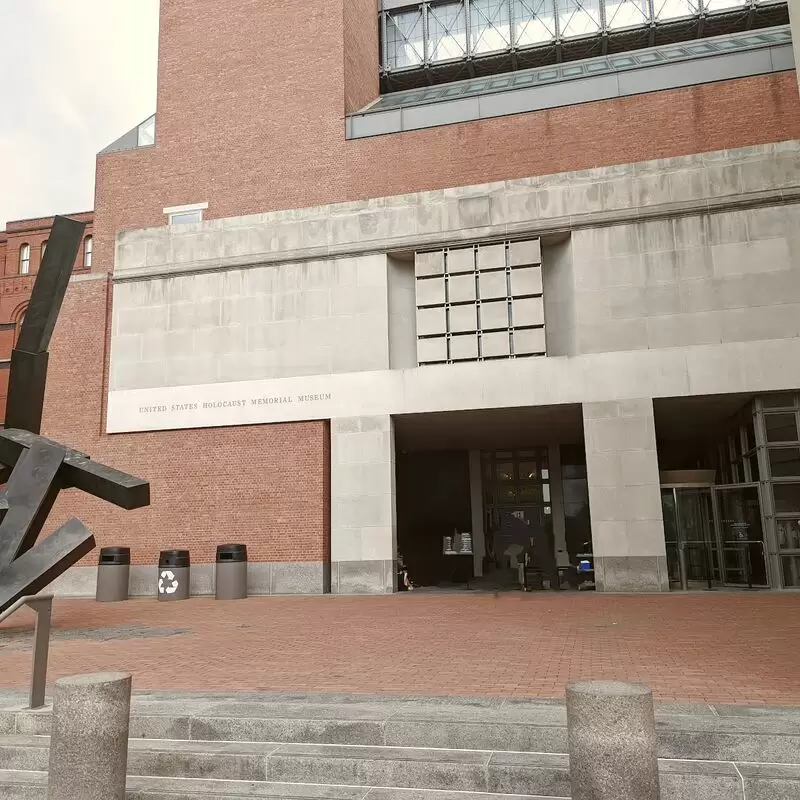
(167, 583)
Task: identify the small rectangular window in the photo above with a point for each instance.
(784, 462)
(787, 497)
(781, 427)
(88, 246)
(189, 214)
(24, 259)
(186, 218)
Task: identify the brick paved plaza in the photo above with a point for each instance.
(726, 647)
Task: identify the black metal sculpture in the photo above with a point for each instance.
(36, 468)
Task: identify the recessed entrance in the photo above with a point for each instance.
(730, 490)
(493, 500)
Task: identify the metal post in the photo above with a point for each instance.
(707, 562)
(43, 607)
(468, 27)
(426, 51)
(682, 565)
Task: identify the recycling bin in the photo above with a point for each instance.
(113, 574)
(231, 572)
(173, 575)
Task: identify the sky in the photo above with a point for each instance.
(74, 76)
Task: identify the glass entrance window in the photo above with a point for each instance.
(741, 536)
(790, 566)
(789, 533)
(692, 552)
(787, 497)
(784, 462)
(781, 427)
(517, 481)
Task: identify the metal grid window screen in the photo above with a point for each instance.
(491, 23)
(435, 32)
(578, 17)
(627, 14)
(447, 32)
(404, 39)
(480, 303)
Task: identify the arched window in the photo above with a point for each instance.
(17, 318)
(24, 259)
(87, 252)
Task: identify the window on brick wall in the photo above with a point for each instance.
(44, 250)
(186, 215)
(24, 259)
(88, 244)
(186, 218)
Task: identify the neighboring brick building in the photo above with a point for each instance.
(22, 247)
(338, 200)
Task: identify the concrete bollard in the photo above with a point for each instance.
(89, 738)
(612, 741)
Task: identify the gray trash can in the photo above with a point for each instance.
(173, 575)
(113, 574)
(231, 577)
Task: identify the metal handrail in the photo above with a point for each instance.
(42, 604)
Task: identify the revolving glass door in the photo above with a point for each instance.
(693, 558)
(741, 535)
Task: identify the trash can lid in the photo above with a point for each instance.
(174, 558)
(115, 555)
(232, 552)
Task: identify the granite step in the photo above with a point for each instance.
(269, 766)
(33, 786)
(723, 734)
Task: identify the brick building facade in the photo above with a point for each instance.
(274, 367)
(22, 247)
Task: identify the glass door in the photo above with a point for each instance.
(740, 535)
(692, 549)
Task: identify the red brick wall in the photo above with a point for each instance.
(266, 170)
(15, 289)
(361, 56)
(265, 485)
(251, 118)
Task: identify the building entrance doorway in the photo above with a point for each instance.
(519, 517)
(714, 536)
(481, 494)
(740, 534)
(689, 534)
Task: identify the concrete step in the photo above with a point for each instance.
(393, 768)
(33, 786)
(757, 735)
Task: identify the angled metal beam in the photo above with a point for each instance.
(28, 374)
(80, 472)
(35, 468)
(30, 495)
(42, 564)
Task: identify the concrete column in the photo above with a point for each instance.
(89, 738)
(612, 741)
(794, 25)
(624, 496)
(557, 505)
(363, 506)
(476, 508)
